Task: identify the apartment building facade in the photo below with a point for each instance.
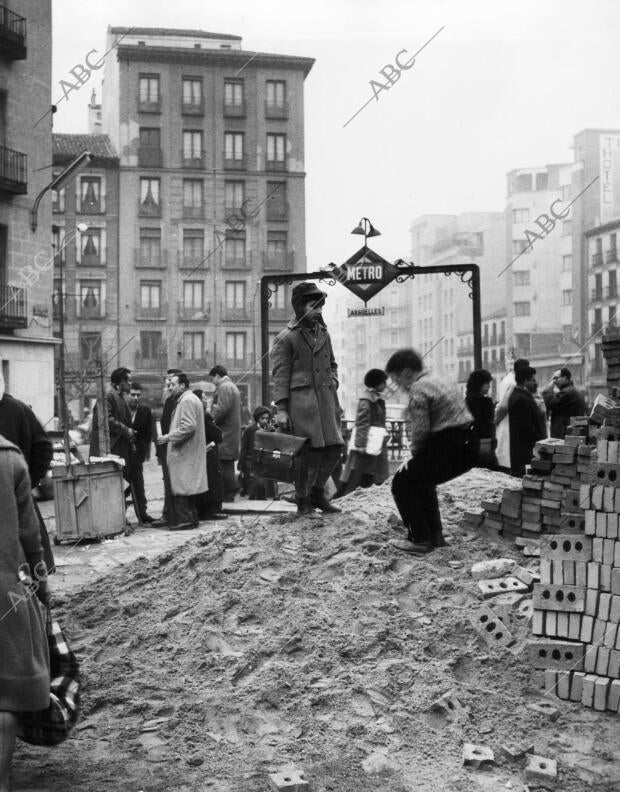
(26, 340)
(493, 350)
(86, 271)
(211, 145)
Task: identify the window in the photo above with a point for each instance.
(523, 182)
(522, 309)
(59, 293)
(235, 294)
(149, 197)
(149, 96)
(192, 95)
(598, 287)
(90, 347)
(193, 294)
(279, 298)
(520, 215)
(276, 93)
(150, 294)
(612, 314)
(192, 197)
(58, 246)
(233, 93)
(521, 277)
(520, 246)
(149, 148)
(522, 343)
(542, 180)
(193, 345)
(90, 248)
(233, 148)
(151, 344)
(567, 297)
(234, 194)
(567, 263)
(150, 247)
(277, 206)
(234, 247)
(567, 332)
(276, 149)
(276, 243)
(58, 199)
(89, 299)
(90, 198)
(235, 346)
(192, 148)
(193, 245)
(613, 284)
(567, 227)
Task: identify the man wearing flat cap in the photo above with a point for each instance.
(305, 383)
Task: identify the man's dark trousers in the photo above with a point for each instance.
(446, 455)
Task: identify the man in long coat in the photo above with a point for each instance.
(524, 420)
(122, 436)
(305, 378)
(226, 413)
(186, 455)
(563, 401)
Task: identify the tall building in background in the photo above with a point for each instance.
(211, 145)
(440, 306)
(86, 272)
(26, 341)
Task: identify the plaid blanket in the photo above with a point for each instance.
(54, 724)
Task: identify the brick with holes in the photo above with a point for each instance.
(491, 627)
(477, 755)
(491, 587)
(559, 655)
(567, 547)
(607, 474)
(292, 781)
(541, 769)
(569, 599)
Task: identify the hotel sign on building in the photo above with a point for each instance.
(610, 176)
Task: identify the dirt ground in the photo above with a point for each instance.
(274, 643)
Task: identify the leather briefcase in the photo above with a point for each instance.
(280, 456)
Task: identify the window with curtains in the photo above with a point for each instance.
(276, 93)
(192, 94)
(234, 194)
(233, 93)
(234, 247)
(193, 198)
(193, 346)
(193, 245)
(235, 294)
(192, 148)
(150, 202)
(90, 195)
(90, 299)
(90, 248)
(150, 247)
(235, 346)
(193, 294)
(150, 294)
(150, 344)
(276, 150)
(233, 146)
(90, 347)
(149, 94)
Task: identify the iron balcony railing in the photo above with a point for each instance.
(13, 171)
(12, 35)
(276, 110)
(13, 307)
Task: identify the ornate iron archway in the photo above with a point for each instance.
(469, 274)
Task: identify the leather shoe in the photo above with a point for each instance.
(146, 518)
(160, 523)
(421, 548)
(215, 516)
(319, 501)
(182, 526)
(439, 541)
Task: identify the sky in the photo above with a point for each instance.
(501, 85)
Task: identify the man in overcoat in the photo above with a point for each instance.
(142, 424)
(305, 377)
(122, 436)
(524, 421)
(186, 454)
(563, 401)
(226, 413)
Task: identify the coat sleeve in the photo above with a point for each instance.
(29, 531)
(362, 424)
(225, 401)
(41, 448)
(117, 428)
(244, 453)
(332, 364)
(186, 426)
(148, 433)
(282, 360)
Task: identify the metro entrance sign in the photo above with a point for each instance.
(365, 273)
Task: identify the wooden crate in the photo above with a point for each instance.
(89, 501)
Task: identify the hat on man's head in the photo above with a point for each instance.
(303, 292)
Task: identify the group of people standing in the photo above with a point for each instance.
(510, 429)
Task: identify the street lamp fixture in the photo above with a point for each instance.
(366, 228)
(58, 182)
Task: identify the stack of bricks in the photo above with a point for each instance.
(577, 602)
(610, 344)
(549, 494)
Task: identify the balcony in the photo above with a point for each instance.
(493, 340)
(88, 312)
(193, 108)
(237, 163)
(13, 171)
(153, 106)
(611, 256)
(150, 259)
(235, 110)
(194, 160)
(193, 212)
(596, 327)
(150, 157)
(236, 262)
(12, 35)
(465, 351)
(597, 295)
(193, 261)
(153, 313)
(239, 364)
(277, 211)
(276, 110)
(282, 261)
(149, 209)
(193, 313)
(151, 363)
(501, 339)
(236, 313)
(275, 165)
(78, 364)
(192, 364)
(91, 260)
(611, 292)
(13, 308)
(597, 259)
